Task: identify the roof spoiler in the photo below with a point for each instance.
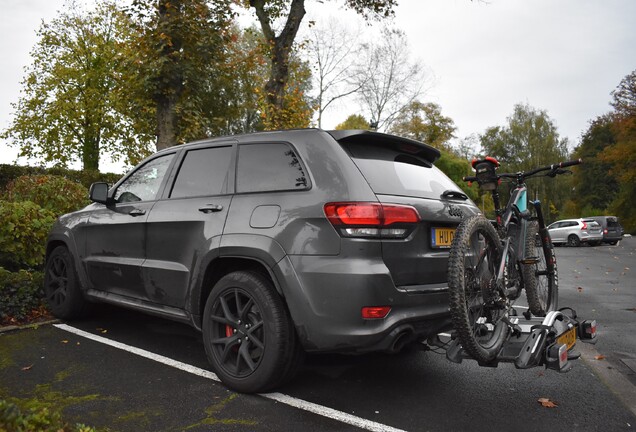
(406, 145)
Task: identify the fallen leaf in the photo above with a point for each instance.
(599, 357)
(26, 368)
(64, 341)
(547, 403)
(104, 331)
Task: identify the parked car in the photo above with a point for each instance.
(272, 244)
(612, 229)
(573, 232)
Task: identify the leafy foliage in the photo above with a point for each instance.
(38, 418)
(173, 62)
(86, 178)
(529, 140)
(354, 121)
(20, 293)
(425, 122)
(53, 193)
(607, 182)
(69, 109)
(23, 234)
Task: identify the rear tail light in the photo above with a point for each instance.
(584, 227)
(605, 231)
(372, 220)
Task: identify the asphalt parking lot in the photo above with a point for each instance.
(122, 371)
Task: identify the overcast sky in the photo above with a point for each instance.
(562, 56)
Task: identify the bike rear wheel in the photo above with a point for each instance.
(540, 277)
(475, 305)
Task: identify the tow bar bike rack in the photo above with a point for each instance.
(535, 341)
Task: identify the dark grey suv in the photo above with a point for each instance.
(272, 244)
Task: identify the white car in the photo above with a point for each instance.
(573, 232)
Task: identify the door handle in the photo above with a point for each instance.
(211, 208)
(137, 212)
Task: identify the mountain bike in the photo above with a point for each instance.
(491, 262)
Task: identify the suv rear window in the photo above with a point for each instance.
(391, 172)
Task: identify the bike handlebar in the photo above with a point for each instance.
(554, 168)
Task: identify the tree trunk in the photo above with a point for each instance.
(166, 123)
(170, 80)
(281, 46)
(90, 147)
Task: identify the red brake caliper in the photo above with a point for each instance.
(229, 331)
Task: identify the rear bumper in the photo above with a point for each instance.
(325, 296)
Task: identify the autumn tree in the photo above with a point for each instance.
(290, 14)
(69, 108)
(529, 140)
(593, 196)
(354, 121)
(425, 122)
(622, 154)
(176, 56)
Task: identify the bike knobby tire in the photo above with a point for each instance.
(540, 277)
(476, 316)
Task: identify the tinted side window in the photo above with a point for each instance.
(203, 172)
(144, 183)
(269, 167)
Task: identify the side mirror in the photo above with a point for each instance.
(99, 193)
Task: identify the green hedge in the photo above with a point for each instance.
(21, 293)
(23, 232)
(86, 178)
(55, 193)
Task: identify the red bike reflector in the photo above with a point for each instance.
(370, 214)
(588, 329)
(375, 312)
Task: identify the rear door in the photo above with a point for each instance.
(188, 222)
(420, 261)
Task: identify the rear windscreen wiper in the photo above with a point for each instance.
(453, 194)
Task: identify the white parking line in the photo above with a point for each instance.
(279, 397)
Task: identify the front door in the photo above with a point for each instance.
(116, 234)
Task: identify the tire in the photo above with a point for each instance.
(574, 241)
(61, 285)
(248, 335)
(471, 272)
(540, 280)
(613, 243)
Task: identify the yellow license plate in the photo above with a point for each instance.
(442, 237)
(568, 338)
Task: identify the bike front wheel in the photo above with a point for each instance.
(540, 272)
(477, 310)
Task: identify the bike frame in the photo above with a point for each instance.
(516, 211)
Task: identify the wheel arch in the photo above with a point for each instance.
(247, 253)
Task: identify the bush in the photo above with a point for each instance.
(23, 233)
(54, 193)
(21, 293)
(13, 419)
(86, 178)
